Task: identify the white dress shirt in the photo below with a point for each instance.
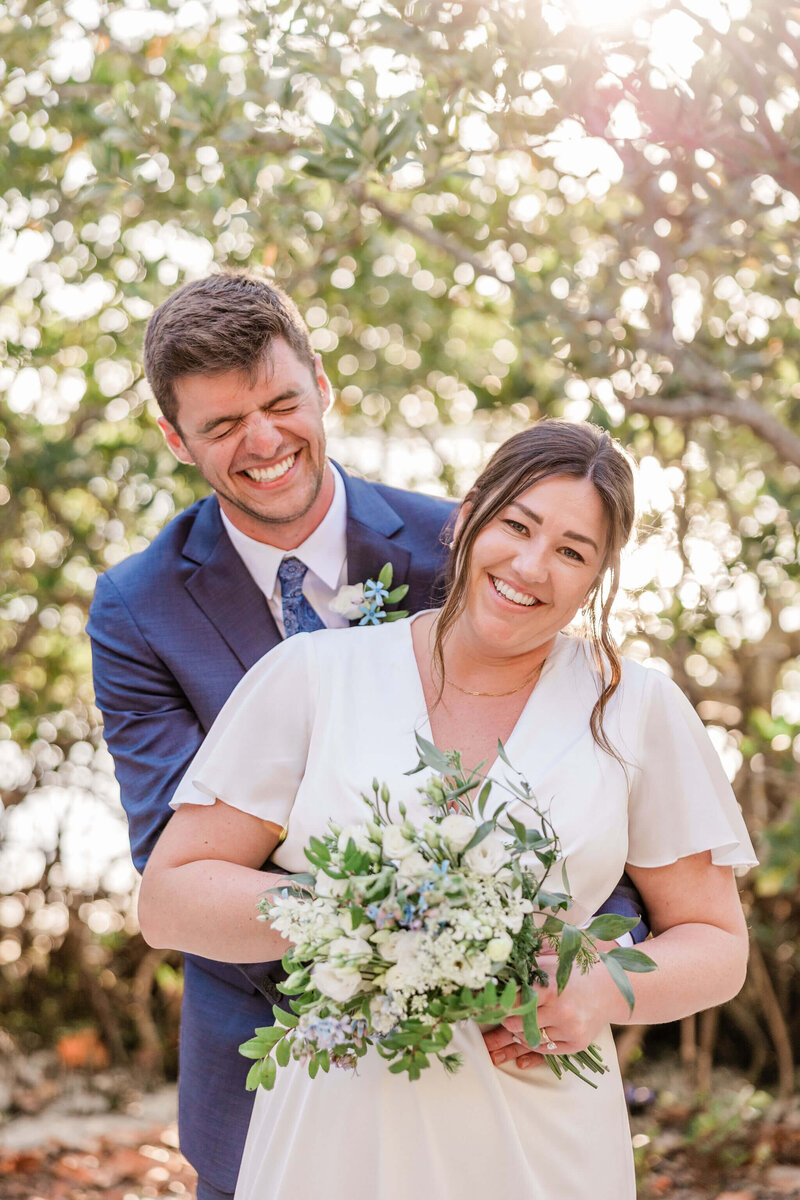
(324, 552)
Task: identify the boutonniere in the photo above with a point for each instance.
(367, 600)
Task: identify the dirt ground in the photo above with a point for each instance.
(79, 1136)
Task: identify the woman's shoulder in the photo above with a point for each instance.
(638, 680)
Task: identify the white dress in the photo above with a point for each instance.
(299, 740)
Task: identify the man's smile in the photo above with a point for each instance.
(269, 474)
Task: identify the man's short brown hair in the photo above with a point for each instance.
(221, 323)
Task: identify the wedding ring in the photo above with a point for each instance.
(547, 1041)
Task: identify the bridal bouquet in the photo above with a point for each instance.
(401, 930)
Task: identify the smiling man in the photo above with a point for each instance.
(175, 628)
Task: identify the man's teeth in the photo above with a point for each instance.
(267, 474)
(510, 594)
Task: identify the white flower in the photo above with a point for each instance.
(389, 944)
(338, 983)
(346, 921)
(349, 947)
(384, 1014)
(326, 886)
(458, 830)
(347, 600)
(488, 856)
(499, 947)
(356, 833)
(395, 843)
(413, 867)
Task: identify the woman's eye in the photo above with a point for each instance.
(517, 526)
(573, 554)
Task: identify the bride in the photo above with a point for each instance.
(611, 748)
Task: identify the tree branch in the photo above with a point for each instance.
(427, 233)
(739, 410)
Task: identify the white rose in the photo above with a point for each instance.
(488, 856)
(389, 945)
(338, 983)
(328, 887)
(347, 600)
(499, 947)
(346, 922)
(355, 833)
(458, 830)
(395, 843)
(349, 947)
(413, 867)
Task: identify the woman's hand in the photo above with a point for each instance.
(572, 1020)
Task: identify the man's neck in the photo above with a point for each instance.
(284, 535)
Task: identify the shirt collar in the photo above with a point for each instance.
(323, 552)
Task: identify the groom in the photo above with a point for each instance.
(175, 627)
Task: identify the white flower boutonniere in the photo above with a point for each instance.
(367, 600)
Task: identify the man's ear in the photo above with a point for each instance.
(323, 383)
(174, 441)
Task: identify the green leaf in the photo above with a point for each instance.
(397, 594)
(617, 973)
(431, 755)
(501, 754)
(530, 1026)
(483, 796)
(632, 960)
(609, 926)
(480, 833)
(283, 1052)
(253, 1077)
(568, 946)
(386, 575)
(282, 1017)
(268, 1073)
(313, 1068)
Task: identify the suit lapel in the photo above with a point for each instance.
(371, 524)
(225, 591)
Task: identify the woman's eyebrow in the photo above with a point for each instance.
(568, 533)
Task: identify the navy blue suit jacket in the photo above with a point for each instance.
(173, 631)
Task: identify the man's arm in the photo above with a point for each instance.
(150, 728)
(625, 901)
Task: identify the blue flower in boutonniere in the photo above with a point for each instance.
(367, 600)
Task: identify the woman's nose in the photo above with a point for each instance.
(531, 563)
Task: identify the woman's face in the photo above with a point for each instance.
(533, 565)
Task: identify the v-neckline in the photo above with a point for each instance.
(546, 671)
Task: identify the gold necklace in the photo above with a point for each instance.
(497, 695)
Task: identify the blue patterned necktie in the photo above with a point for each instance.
(298, 615)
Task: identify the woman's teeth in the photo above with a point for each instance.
(509, 593)
(269, 473)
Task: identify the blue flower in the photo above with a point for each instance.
(372, 615)
(374, 590)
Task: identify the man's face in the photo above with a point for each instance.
(261, 447)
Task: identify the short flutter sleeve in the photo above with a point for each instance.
(681, 802)
(255, 753)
